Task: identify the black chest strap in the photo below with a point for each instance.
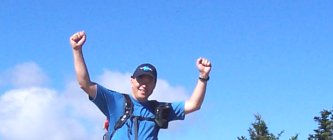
(128, 110)
(161, 113)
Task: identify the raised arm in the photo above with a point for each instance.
(194, 103)
(77, 40)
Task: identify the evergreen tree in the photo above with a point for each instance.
(294, 137)
(259, 131)
(325, 128)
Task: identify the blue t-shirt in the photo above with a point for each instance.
(112, 103)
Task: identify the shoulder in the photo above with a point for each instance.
(102, 89)
(104, 93)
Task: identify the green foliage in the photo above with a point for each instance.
(242, 138)
(294, 137)
(259, 131)
(325, 128)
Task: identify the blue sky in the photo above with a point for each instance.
(269, 57)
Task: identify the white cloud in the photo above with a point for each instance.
(39, 113)
(117, 81)
(25, 75)
(32, 112)
(165, 92)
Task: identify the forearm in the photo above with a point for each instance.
(82, 72)
(195, 101)
(80, 68)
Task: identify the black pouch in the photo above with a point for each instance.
(162, 114)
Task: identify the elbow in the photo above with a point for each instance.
(83, 85)
(196, 108)
(196, 105)
(192, 105)
(192, 108)
(89, 88)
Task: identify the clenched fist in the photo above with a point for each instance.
(77, 40)
(204, 66)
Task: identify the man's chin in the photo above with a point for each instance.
(143, 95)
(142, 99)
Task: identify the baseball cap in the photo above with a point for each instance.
(145, 69)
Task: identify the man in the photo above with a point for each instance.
(143, 120)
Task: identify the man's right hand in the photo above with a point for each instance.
(77, 40)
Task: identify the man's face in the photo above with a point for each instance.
(142, 87)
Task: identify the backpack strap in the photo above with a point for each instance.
(128, 110)
(161, 112)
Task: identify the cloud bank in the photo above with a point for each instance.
(31, 111)
(25, 75)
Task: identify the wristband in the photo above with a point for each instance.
(204, 79)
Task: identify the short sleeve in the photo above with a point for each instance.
(178, 112)
(104, 99)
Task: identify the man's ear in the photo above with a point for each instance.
(132, 79)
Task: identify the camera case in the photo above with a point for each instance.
(162, 115)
